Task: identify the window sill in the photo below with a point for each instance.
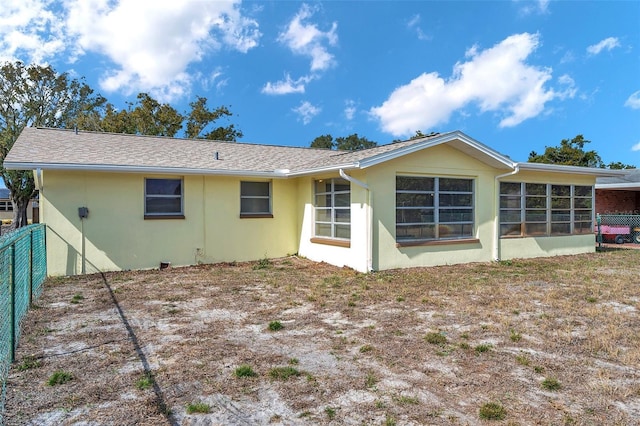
(331, 242)
(163, 216)
(437, 242)
(256, 215)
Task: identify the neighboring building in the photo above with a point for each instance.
(6, 207)
(443, 199)
(619, 194)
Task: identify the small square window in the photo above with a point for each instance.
(163, 198)
(255, 199)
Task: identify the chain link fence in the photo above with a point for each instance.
(23, 269)
(618, 228)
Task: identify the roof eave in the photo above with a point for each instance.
(144, 169)
(327, 169)
(556, 168)
(629, 186)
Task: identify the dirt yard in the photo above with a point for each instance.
(544, 341)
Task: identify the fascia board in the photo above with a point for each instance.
(632, 186)
(327, 169)
(141, 169)
(556, 168)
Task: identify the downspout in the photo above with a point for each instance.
(496, 222)
(369, 224)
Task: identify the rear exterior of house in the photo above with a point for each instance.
(444, 199)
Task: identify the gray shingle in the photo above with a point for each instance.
(58, 147)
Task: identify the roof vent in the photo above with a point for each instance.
(216, 155)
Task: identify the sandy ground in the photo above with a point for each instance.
(147, 348)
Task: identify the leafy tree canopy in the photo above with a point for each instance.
(349, 143)
(149, 117)
(324, 141)
(34, 95)
(573, 153)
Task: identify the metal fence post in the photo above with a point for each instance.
(31, 267)
(12, 304)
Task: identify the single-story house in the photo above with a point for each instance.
(6, 207)
(619, 194)
(117, 202)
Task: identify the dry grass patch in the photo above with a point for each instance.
(393, 347)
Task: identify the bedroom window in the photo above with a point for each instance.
(540, 209)
(163, 199)
(332, 207)
(255, 199)
(434, 208)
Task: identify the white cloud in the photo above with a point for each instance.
(497, 80)
(413, 24)
(152, 54)
(633, 101)
(349, 109)
(636, 147)
(608, 43)
(306, 111)
(151, 44)
(286, 86)
(306, 39)
(537, 6)
(29, 31)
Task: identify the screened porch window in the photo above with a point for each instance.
(434, 208)
(540, 209)
(332, 206)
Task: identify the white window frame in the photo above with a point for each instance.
(437, 209)
(332, 209)
(163, 215)
(552, 212)
(253, 214)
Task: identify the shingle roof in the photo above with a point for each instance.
(56, 147)
(67, 149)
(47, 148)
(630, 180)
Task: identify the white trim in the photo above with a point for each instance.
(630, 186)
(557, 168)
(141, 169)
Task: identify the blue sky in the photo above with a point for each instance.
(515, 75)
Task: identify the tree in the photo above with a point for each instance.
(572, 153)
(619, 166)
(353, 143)
(149, 117)
(34, 95)
(200, 117)
(349, 143)
(324, 141)
(569, 153)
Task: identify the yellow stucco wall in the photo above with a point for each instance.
(118, 237)
(440, 161)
